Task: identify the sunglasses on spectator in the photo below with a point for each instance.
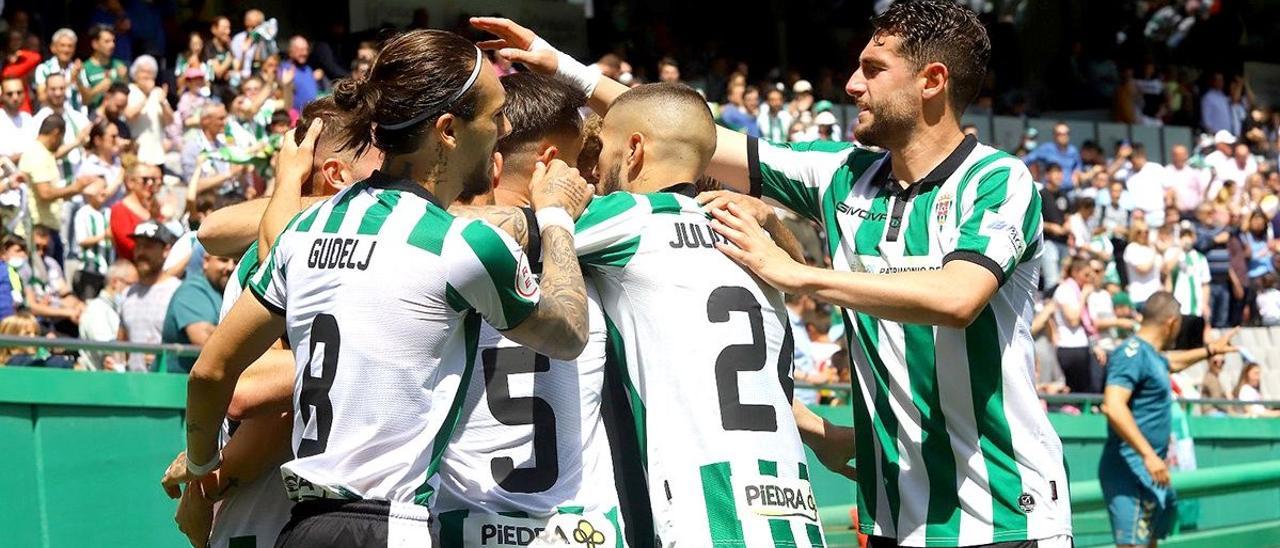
(149, 180)
(7, 93)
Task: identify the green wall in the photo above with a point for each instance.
(82, 454)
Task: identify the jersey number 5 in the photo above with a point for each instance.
(313, 402)
(738, 358)
(499, 365)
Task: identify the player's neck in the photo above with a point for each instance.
(513, 188)
(430, 175)
(655, 178)
(1154, 336)
(927, 147)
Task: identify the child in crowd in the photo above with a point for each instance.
(1269, 299)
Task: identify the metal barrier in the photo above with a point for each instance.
(165, 352)
(1086, 402)
(1087, 495)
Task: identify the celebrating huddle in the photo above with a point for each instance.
(471, 346)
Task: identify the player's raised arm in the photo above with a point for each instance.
(519, 44)
(557, 325)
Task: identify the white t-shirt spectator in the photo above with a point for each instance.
(1147, 188)
(1068, 294)
(1142, 286)
(1231, 170)
(1080, 229)
(15, 133)
(100, 321)
(1249, 393)
(148, 127)
(1269, 307)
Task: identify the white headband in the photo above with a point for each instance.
(471, 81)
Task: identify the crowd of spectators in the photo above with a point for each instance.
(108, 161)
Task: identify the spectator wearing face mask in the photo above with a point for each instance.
(100, 320)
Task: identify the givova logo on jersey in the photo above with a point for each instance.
(588, 530)
(776, 497)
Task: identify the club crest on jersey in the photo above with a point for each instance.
(526, 284)
(1027, 503)
(777, 497)
(942, 208)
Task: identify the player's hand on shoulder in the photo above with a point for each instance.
(556, 184)
(720, 199)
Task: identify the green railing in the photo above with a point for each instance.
(1087, 495)
(165, 353)
(1088, 403)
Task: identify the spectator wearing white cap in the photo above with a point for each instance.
(1238, 167)
(145, 303)
(801, 106)
(827, 126)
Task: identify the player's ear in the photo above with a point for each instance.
(635, 150)
(497, 169)
(549, 152)
(444, 129)
(337, 174)
(935, 76)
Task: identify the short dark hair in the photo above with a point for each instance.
(940, 31)
(53, 124)
(118, 87)
(95, 32)
(668, 61)
(1052, 166)
(537, 106)
(1160, 306)
(334, 118)
(1139, 149)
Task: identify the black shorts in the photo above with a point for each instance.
(355, 524)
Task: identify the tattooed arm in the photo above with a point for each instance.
(512, 220)
(558, 328)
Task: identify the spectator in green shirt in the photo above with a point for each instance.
(100, 70)
(193, 311)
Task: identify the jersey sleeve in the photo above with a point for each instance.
(268, 283)
(1123, 368)
(489, 273)
(608, 232)
(999, 221)
(796, 174)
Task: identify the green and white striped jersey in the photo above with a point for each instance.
(52, 66)
(383, 293)
(1190, 277)
(254, 514)
(953, 447)
(705, 352)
